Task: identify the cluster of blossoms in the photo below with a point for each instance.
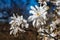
(16, 22)
(40, 21)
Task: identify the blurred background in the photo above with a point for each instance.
(8, 7)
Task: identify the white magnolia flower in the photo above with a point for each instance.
(54, 23)
(38, 11)
(39, 15)
(16, 22)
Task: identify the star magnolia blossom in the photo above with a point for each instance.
(39, 13)
(16, 22)
(54, 23)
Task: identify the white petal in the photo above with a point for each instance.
(13, 18)
(22, 25)
(46, 8)
(53, 25)
(53, 35)
(32, 12)
(44, 4)
(42, 23)
(15, 31)
(51, 29)
(25, 21)
(34, 23)
(41, 8)
(21, 18)
(11, 32)
(44, 15)
(11, 27)
(14, 15)
(37, 24)
(26, 25)
(18, 24)
(21, 30)
(32, 8)
(36, 7)
(46, 30)
(39, 30)
(11, 22)
(42, 33)
(30, 18)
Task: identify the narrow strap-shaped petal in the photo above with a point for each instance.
(32, 12)
(26, 25)
(11, 22)
(37, 24)
(11, 32)
(36, 7)
(14, 15)
(22, 25)
(53, 35)
(32, 8)
(34, 23)
(21, 30)
(15, 31)
(21, 17)
(31, 18)
(25, 21)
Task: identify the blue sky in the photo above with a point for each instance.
(18, 3)
(22, 4)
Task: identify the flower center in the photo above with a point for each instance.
(38, 14)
